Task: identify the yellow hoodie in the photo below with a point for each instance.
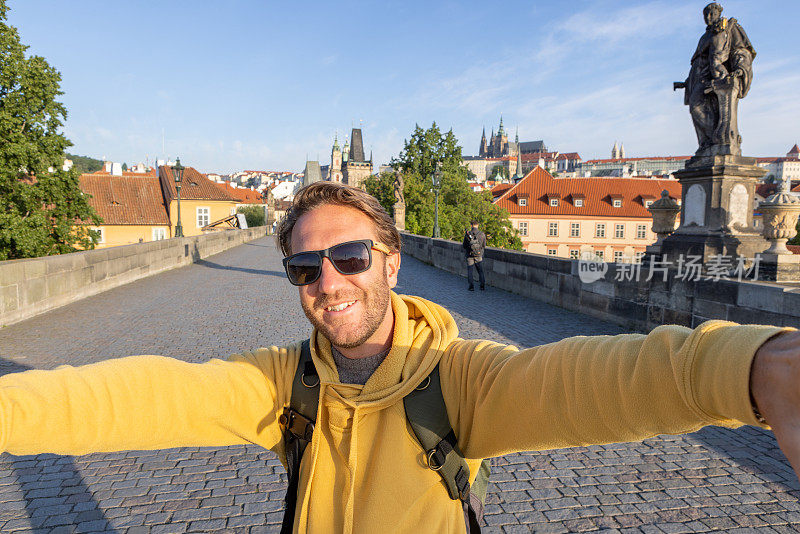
(364, 470)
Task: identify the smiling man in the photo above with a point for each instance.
(371, 350)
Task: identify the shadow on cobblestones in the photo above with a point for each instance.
(212, 265)
(45, 492)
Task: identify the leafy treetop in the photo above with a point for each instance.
(458, 204)
(40, 203)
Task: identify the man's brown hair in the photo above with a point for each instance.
(322, 193)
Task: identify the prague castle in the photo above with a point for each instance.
(348, 165)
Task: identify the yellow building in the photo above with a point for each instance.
(570, 217)
(202, 202)
(143, 207)
(132, 208)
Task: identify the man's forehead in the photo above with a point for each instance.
(330, 224)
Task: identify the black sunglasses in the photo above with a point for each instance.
(351, 257)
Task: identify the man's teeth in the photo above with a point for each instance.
(339, 307)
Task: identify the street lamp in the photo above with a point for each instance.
(177, 170)
(437, 185)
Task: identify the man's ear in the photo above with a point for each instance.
(392, 268)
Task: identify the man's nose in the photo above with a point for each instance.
(330, 280)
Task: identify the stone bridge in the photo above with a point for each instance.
(712, 480)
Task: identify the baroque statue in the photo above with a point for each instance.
(720, 75)
(398, 188)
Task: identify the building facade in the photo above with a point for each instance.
(349, 166)
(572, 217)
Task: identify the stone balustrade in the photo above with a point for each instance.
(637, 304)
(31, 286)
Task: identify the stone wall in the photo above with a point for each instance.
(32, 286)
(635, 304)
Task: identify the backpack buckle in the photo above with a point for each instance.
(436, 459)
(296, 425)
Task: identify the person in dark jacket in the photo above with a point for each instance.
(474, 245)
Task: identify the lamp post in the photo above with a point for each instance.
(177, 170)
(437, 185)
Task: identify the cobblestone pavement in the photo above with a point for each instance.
(237, 300)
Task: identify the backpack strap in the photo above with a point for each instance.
(297, 424)
(427, 414)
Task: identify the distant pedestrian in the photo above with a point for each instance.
(474, 245)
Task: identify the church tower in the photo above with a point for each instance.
(615, 151)
(483, 149)
(500, 145)
(336, 161)
(621, 151)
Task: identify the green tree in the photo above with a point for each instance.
(254, 215)
(41, 203)
(458, 204)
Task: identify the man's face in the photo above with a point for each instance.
(350, 310)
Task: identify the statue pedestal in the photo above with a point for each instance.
(779, 267)
(717, 210)
(400, 216)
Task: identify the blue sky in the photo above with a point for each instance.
(247, 84)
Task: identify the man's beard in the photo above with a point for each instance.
(375, 301)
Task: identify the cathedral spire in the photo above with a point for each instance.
(500, 132)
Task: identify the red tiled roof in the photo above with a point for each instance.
(126, 199)
(597, 192)
(499, 189)
(794, 149)
(244, 195)
(194, 186)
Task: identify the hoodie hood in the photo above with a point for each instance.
(422, 332)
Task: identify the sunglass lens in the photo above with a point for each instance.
(350, 258)
(303, 268)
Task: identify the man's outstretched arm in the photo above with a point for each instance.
(775, 385)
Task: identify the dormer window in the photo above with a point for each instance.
(648, 203)
(578, 202)
(554, 202)
(523, 201)
(616, 201)
(552, 199)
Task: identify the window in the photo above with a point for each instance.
(523, 228)
(203, 217)
(574, 254)
(578, 202)
(648, 203)
(639, 256)
(599, 254)
(618, 256)
(641, 231)
(600, 230)
(159, 233)
(101, 234)
(619, 231)
(552, 252)
(617, 202)
(554, 202)
(575, 229)
(523, 201)
(552, 229)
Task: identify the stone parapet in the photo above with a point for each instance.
(32, 286)
(636, 303)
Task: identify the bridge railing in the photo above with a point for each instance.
(638, 303)
(31, 286)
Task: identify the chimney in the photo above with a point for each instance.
(116, 169)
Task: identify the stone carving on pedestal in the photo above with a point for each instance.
(695, 210)
(399, 202)
(780, 212)
(665, 212)
(739, 206)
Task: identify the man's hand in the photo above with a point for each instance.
(775, 386)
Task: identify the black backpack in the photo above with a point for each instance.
(427, 415)
(475, 248)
